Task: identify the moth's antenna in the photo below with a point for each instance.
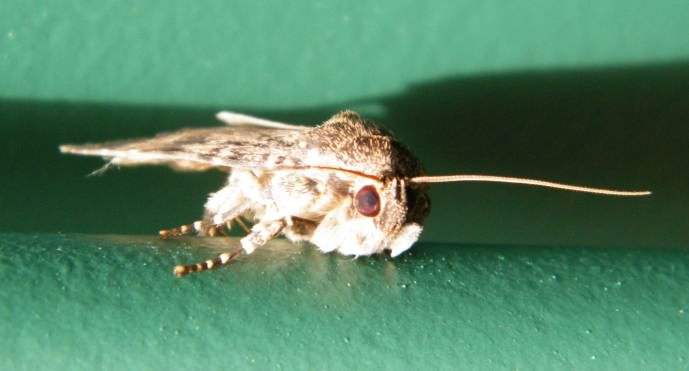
(526, 181)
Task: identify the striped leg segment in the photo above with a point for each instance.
(195, 227)
(181, 230)
(260, 234)
(241, 224)
(222, 259)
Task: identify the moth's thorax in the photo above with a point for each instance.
(357, 144)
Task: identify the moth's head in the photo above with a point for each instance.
(403, 207)
(377, 215)
(380, 209)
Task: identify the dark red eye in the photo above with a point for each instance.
(367, 201)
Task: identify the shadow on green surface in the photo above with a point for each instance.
(618, 127)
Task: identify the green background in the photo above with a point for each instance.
(593, 93)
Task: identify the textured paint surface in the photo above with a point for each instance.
(111, 302)
(269, 54)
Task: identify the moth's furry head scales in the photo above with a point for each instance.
(361, 144)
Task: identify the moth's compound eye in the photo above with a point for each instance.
(367, 201)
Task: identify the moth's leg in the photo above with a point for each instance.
(222, 259)
(241, 224)
(181, 230)
(198, 226)
(229, 203)
(260, 234)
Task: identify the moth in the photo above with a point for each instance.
(347, 185)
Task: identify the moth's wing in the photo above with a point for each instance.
(201, 149)
(345, 142)
(238, 119)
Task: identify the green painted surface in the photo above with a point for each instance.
(271, 54)
(111, 302)
(506, 276)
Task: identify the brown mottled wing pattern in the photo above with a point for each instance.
(199, 149)
(344, 142)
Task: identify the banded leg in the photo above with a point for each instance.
(260, 234)
(182, 230)
(197, 227)
(222, 259)
(241, 224)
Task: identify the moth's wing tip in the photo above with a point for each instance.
(221, 115)
(69, 148)
(75, 149)
(241, 119)
(234, 118)
(91, 150)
